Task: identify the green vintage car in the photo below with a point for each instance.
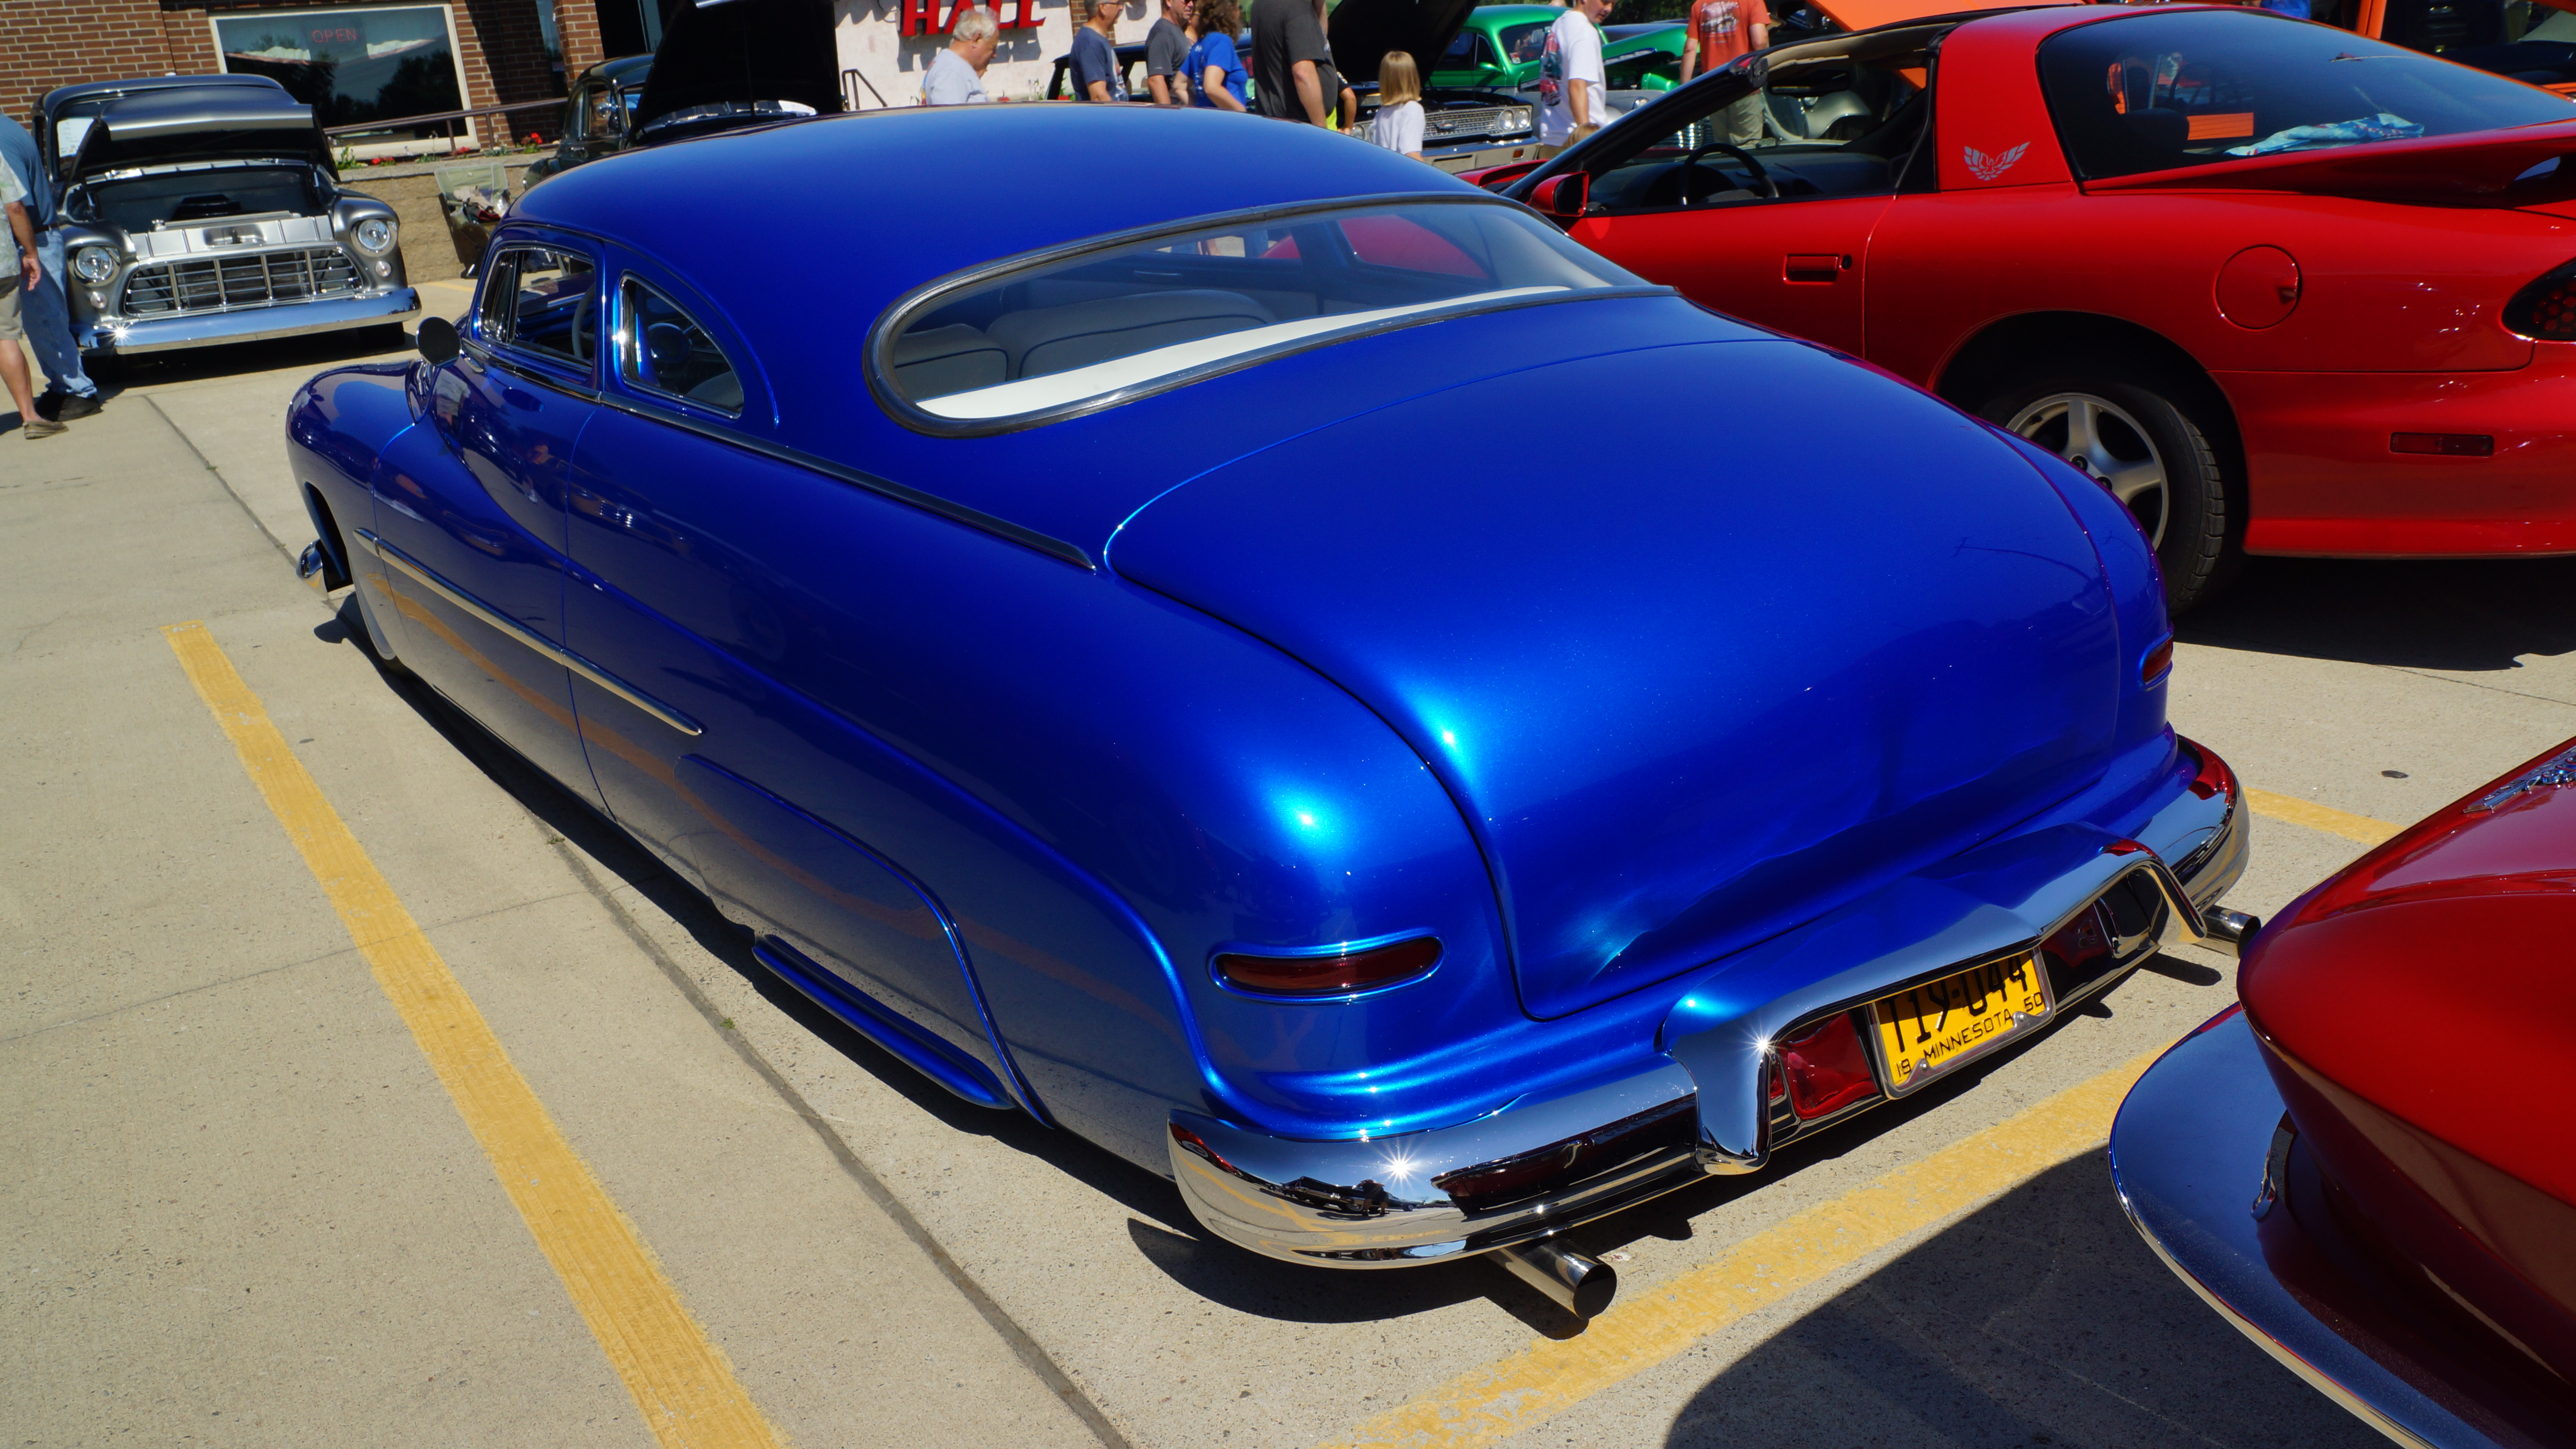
(1498, 49)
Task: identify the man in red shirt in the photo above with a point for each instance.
(1720, 31)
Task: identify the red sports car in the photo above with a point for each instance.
(2366, 1166)
(2283, 289)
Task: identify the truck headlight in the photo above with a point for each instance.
(375, 234)
(94, 265)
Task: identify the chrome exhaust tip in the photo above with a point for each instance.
(1581, 1285)
(2228, 930)
(315, 568)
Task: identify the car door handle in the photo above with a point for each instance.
(1813, 266)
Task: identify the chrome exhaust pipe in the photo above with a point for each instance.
(317, 570)
(2228, 930)
(1581, 1285)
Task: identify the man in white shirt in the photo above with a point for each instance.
(1572, 90)
(956, 76)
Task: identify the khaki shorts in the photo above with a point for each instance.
(1572, 140)
(9, 328)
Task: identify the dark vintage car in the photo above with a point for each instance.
(2365, 1165)
(205, 209)
(598, 117)
(1410, 859)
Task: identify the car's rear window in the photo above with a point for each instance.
(2155, 92)
(1075, 330)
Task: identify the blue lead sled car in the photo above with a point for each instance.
(1059, 624)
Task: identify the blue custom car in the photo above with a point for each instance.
(1090, 675)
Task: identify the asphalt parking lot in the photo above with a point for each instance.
(367, 1090)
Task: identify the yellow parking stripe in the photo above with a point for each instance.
(2320, 817)
(680, 1380)
(1550, 1376)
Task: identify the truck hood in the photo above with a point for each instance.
(1363, 31)
(728, 63)
(212, 123)
(1690, 685)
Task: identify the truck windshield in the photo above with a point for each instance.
(2186, 88)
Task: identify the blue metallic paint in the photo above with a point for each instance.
(1086, 780)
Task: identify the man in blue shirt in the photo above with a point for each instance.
(1097, 76)
(45, 310)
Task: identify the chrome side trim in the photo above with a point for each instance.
(2189, 1152)
(429, 580)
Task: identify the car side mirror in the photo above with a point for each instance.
(438, 339)
(1563, 196)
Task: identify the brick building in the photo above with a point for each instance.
(385, 59)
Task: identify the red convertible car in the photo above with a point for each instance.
(2365, 1167)
(2281, 288)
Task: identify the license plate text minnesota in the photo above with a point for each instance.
(1923, 1030)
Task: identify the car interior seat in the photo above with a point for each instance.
(1057, 339)
(937, 361)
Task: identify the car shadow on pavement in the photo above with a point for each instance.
(2040, 1319)
(2449, 614)
(1161, 1227)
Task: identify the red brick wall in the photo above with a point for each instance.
(49, 43)
(577, 31)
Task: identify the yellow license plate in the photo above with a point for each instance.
(1926, 1030)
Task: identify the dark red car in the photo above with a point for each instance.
(2282, 288)
(2366, 1167)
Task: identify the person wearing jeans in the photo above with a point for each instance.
(43, 306)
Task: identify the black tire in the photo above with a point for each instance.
(2142, 417)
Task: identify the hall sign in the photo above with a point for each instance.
(924, 17)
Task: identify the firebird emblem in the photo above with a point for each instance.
(1987, 168)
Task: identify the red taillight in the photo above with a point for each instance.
(2545, 311)
(1826, 1068)
(1330, 975)
(2447, 445)
(2158, 660)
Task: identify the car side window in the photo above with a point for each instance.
(662, 349)
(546, 306)
(1833, 127)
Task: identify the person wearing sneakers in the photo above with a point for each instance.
(22, 279)
(45, 310)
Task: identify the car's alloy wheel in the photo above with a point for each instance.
(2106, 445)
(2158, 441)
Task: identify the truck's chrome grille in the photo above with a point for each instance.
(221, 284)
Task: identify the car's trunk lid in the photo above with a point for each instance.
(1692, 679)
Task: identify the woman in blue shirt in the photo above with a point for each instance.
(1215, 71)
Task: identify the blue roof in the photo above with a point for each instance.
(823, 222)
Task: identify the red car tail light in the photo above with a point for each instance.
(1826, 1068)
(2158, 660)
(2545, 311)
(1334, 974)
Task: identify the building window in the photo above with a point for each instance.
(356, 66)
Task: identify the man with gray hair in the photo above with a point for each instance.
(956, 75)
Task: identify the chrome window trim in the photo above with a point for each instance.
(889, 323)
(430, 580)
(975, 518)
(528, 362)
(623, 342)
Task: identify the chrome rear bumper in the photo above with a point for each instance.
(1702, 1105)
